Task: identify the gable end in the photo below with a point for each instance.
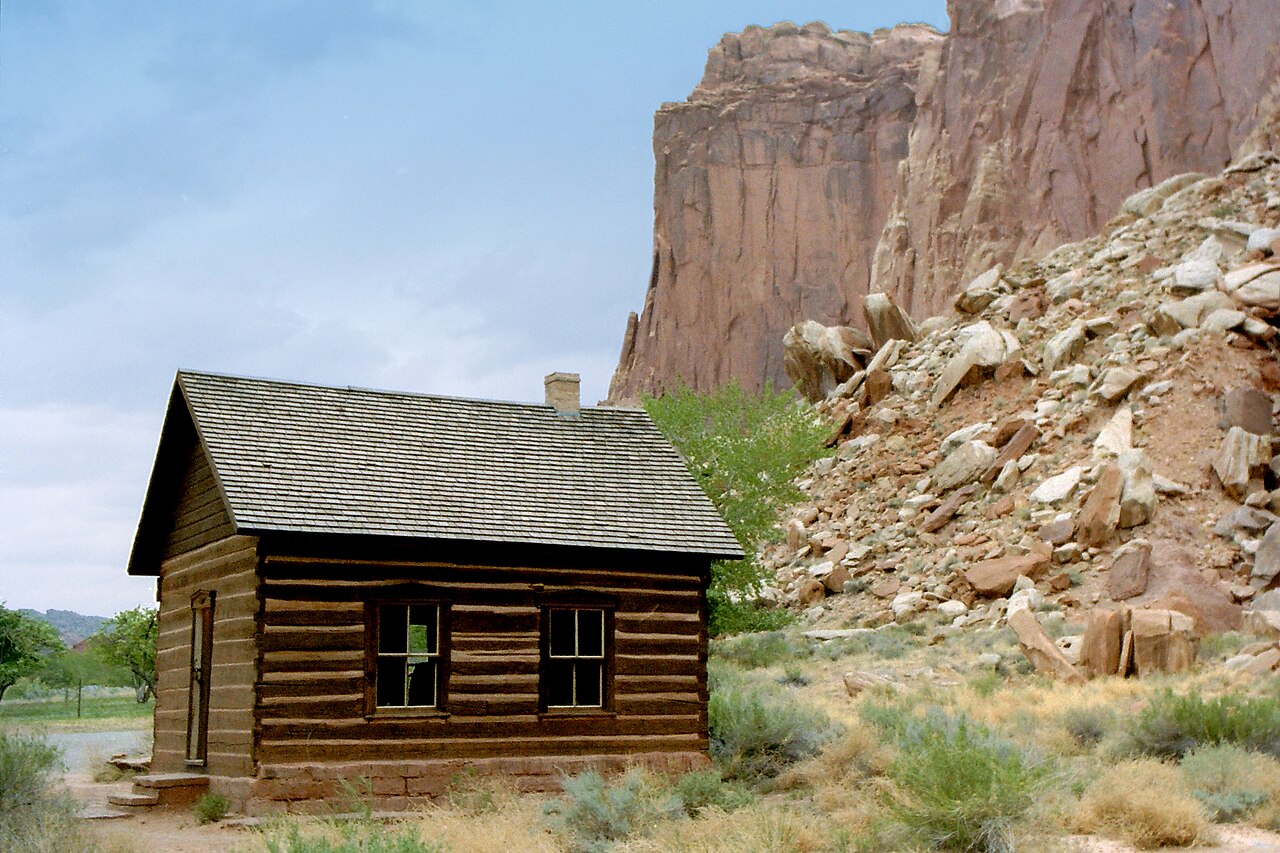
(184, 508)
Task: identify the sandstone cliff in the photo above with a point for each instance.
(810, 167)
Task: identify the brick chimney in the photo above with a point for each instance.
(562, 393)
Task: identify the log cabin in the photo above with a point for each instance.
(364, 585)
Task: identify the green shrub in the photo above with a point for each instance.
(756, 731)
(211, 808)
(32, 818)
(959, 787)
(1232, 783)
(762, 649)
(888, 643)
(593, 814)
(359, 836)
(1171, 725)
(703, 789)
(1088, 726)
(745, 451)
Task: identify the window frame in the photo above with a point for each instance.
(607, 658)
(444, 647)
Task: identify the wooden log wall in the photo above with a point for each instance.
(199, 514)
(311, 699)
(228, 568)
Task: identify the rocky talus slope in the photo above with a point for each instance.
(1090, 432)
(811, 167)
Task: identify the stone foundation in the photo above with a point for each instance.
(398, 785)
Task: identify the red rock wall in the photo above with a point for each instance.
(810, 167)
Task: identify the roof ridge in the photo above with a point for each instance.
(387, 392)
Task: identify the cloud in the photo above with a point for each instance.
(70, 492)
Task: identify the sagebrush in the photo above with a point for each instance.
(957, 786)
(1171, 725)
(757, 730)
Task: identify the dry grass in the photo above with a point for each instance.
(515, 825)
(776, 827)
(1145, 803)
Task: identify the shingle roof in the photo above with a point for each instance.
(310, 458)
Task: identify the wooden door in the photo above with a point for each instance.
(201, 658)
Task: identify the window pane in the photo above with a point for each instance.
(590, 633)
(588, 678)
(559, 683)
(422, 681)
(562, 632)
(390, 682)
(391, 627)
(422, 629)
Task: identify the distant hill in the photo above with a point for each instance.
(71, 626)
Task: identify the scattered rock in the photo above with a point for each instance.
(980, 292)
(1115, 382)
(1266, 562)
(1058, 488)
(886, 321)
(1163, 641)
(963, 465)
(817, 358)
(1127, 577)
(1046, 657)
(949, 507)
(1063, 347)
(995, 578)
(1138, 497)
(1243, 456)
(1101, 511)
(1117, 435)
(1103, 639)
(858, 681)
(1249, 409)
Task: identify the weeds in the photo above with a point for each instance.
(1234, 784)
(1171, 725)
(1088, 726)
(757, 731)
(959, 787)
(32, 818)
(358, 836)
(592, 814)
(706, 789)
(1143, 802)
(755, 651)
(211, 808)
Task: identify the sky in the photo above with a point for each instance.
(442, 197)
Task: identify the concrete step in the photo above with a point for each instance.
(135, 799)
(171, 780)
(101, 811)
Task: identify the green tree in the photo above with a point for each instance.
(745, 451)
(70, 668)
(24, 645)
(128, 640)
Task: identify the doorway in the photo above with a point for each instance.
(201, 659)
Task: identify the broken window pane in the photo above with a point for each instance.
(422, 629)
(422, 681)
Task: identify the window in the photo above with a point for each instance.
(574, 674)
(408, 671)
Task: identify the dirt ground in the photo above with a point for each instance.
(178, 832)
(173, 831)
